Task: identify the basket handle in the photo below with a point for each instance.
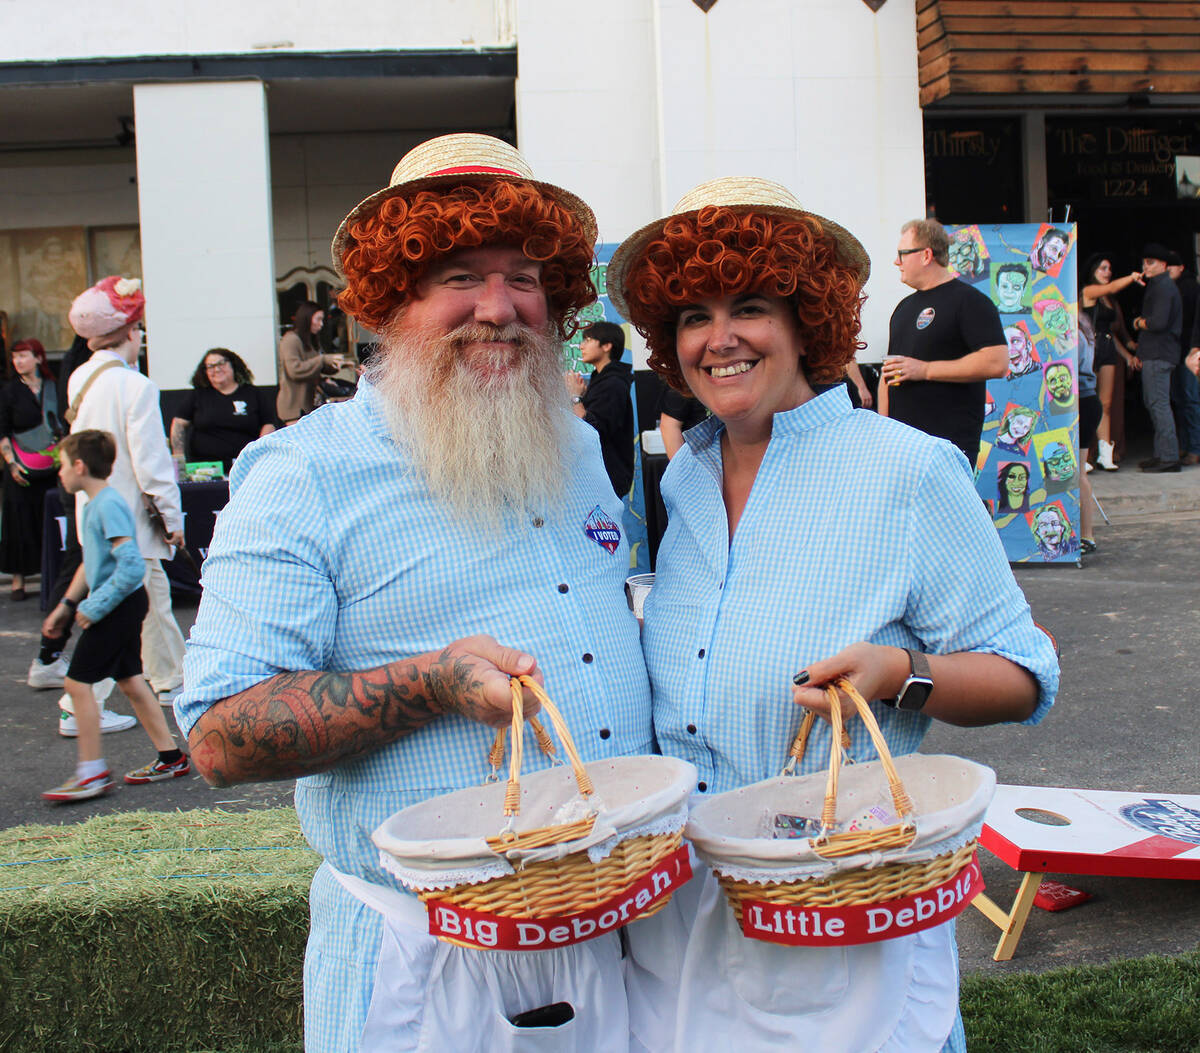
(900, 796)
(512, 793)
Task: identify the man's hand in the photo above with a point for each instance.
(877, 672)
(175, 539)
(82, 620)
(899, 368)
(576, 385)
(865, 396)
(1193, 360)
(471, 677)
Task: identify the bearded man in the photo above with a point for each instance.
(385, 565)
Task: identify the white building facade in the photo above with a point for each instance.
(217, 146)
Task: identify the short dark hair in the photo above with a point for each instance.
(1013, 268)
(607, 333)
(97, 449)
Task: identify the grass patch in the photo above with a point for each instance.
(154, 931)
(1141, 1005)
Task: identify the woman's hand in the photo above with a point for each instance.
(82, 620)
(17, 471)
(876, 671)
(1133, 363)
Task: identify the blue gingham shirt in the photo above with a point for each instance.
(857, 528)
(333, 555)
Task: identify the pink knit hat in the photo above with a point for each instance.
(108, 306)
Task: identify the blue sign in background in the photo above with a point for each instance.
(1029, 458)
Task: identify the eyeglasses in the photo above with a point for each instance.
(211, 366)
(901, 253)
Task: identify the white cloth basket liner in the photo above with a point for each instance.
(949, 796)
(442, 841)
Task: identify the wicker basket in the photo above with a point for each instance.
(616, 829)
(928, 849)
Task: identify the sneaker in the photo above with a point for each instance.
(167, 697)
(158, 771)
(76, 789)
(100, 691)
(109, 722)
(42, 676)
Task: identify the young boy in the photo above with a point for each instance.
(111, 620)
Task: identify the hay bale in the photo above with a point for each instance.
(154, 931)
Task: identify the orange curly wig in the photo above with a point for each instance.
(393, 247)
(720, 251)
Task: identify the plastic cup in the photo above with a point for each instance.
(637, 588)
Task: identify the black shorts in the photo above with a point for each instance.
(1090, 412)
(112, 647)
(1106, 353)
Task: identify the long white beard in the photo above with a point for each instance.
(484, 443)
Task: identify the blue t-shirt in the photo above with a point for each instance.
(105, 516)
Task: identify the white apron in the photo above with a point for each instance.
(696, 983)
(431, 996)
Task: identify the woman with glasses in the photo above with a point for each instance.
(223, 413)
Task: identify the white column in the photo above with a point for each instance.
(650, 97)
(204, 197)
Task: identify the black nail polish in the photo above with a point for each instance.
(801, 678)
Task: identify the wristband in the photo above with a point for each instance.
(70, 604)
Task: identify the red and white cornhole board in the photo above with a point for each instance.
(1040, 829)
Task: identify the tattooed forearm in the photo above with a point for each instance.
(179, 430)
(305, 722)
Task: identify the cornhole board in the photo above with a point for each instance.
(1040, 829)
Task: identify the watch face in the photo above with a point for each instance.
(915, 694)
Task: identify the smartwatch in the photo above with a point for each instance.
(917, 688)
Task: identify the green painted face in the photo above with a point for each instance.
(1060, 465)
(1015, 483)
(1058, 380)
(1054, 318)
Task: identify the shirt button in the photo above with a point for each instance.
(700, 654)
(701, 786)
(691, 729)
(605, 733)
(564, 587)
(587, 658)
(538, 521)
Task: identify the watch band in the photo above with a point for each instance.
(918, 664)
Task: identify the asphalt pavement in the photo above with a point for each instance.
(1126, 719)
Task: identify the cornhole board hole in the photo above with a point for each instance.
(1040, 830)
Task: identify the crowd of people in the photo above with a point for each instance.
(384, 568)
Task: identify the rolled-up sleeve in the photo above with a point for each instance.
(269, 604)
(964, 596)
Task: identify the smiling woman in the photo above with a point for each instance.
(752, 303)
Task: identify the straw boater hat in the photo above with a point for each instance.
(109, 305)
(740, 192)
(452, 160)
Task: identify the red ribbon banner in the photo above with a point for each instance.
(799, 926)
(493, 932)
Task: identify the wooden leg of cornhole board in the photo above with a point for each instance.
(1012, 923)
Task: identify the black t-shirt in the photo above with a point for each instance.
(609, 409)
(688, 411)
(937, 325)
(222, 425)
